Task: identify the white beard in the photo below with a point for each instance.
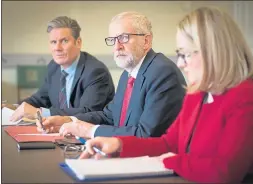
(125, 62)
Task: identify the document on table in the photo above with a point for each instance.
(92, 169)
(7, 113)
(30, 134)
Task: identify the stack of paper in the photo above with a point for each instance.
(91, 169)
(7, 113)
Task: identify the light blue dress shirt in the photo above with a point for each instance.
(71, 70)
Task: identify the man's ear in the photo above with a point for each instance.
(148, 41)
(79, 42)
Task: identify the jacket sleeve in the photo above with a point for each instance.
(41, 98)
(95, 95)
(233, 157)
(135, 146)
(162, 103)
(98, 117)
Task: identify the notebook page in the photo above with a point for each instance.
(117, 167)
(6, 114)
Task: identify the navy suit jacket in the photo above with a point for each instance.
(92, 88)
(155, 102)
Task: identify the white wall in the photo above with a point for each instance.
(24, 23)
(24, 26)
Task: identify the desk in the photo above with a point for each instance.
(41, 166)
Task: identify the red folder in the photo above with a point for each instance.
(13, 131)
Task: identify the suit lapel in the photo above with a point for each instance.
(139, 83)
(121, 91)
(56, 85)
(79, 69)
(191, 121)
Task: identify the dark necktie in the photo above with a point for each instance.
(62, 94)
(126, 99)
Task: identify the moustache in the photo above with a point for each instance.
(121, 54)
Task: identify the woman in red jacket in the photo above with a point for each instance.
(212, 138)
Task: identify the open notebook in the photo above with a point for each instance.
(116, 168)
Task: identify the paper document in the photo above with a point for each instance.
(117, 167)
(7, 113)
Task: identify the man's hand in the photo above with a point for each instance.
(78, 128)
(10, 106)
(52, 124)
(24, 110)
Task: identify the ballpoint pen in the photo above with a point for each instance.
(83, 141)
(40, 121)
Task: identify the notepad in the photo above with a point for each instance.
(7, 113)
(91, 169)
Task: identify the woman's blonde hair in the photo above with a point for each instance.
(227, 59)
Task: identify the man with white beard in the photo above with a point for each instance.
(149, 94)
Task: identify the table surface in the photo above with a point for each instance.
(42, 166)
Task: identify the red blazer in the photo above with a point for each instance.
(221, 149)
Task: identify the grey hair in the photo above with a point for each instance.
(140, 22)
(65, 22)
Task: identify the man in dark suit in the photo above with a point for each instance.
(149, 94)
(76, 82)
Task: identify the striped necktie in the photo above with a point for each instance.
(62, 94)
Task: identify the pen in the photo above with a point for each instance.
(40, 120)
(83, 141)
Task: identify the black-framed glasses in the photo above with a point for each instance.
(123, 38)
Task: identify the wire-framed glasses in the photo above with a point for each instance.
(123, 38)
(72, 151)
(185, 57)
(72, 148)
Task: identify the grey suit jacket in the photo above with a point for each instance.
(155, 102)
(92, 88)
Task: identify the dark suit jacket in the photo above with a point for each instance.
(155, 102)
(92, 88)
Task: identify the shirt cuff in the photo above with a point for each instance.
(93, 130)
(45, 112)
(73, 118)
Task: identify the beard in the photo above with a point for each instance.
(124, 61)
(127, 61)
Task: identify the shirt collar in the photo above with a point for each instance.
(209, 98)
(135, 70)
(72, 68)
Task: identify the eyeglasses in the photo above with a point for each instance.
(72, 148)
(185, 56)
(72, 151)
(123, 38)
